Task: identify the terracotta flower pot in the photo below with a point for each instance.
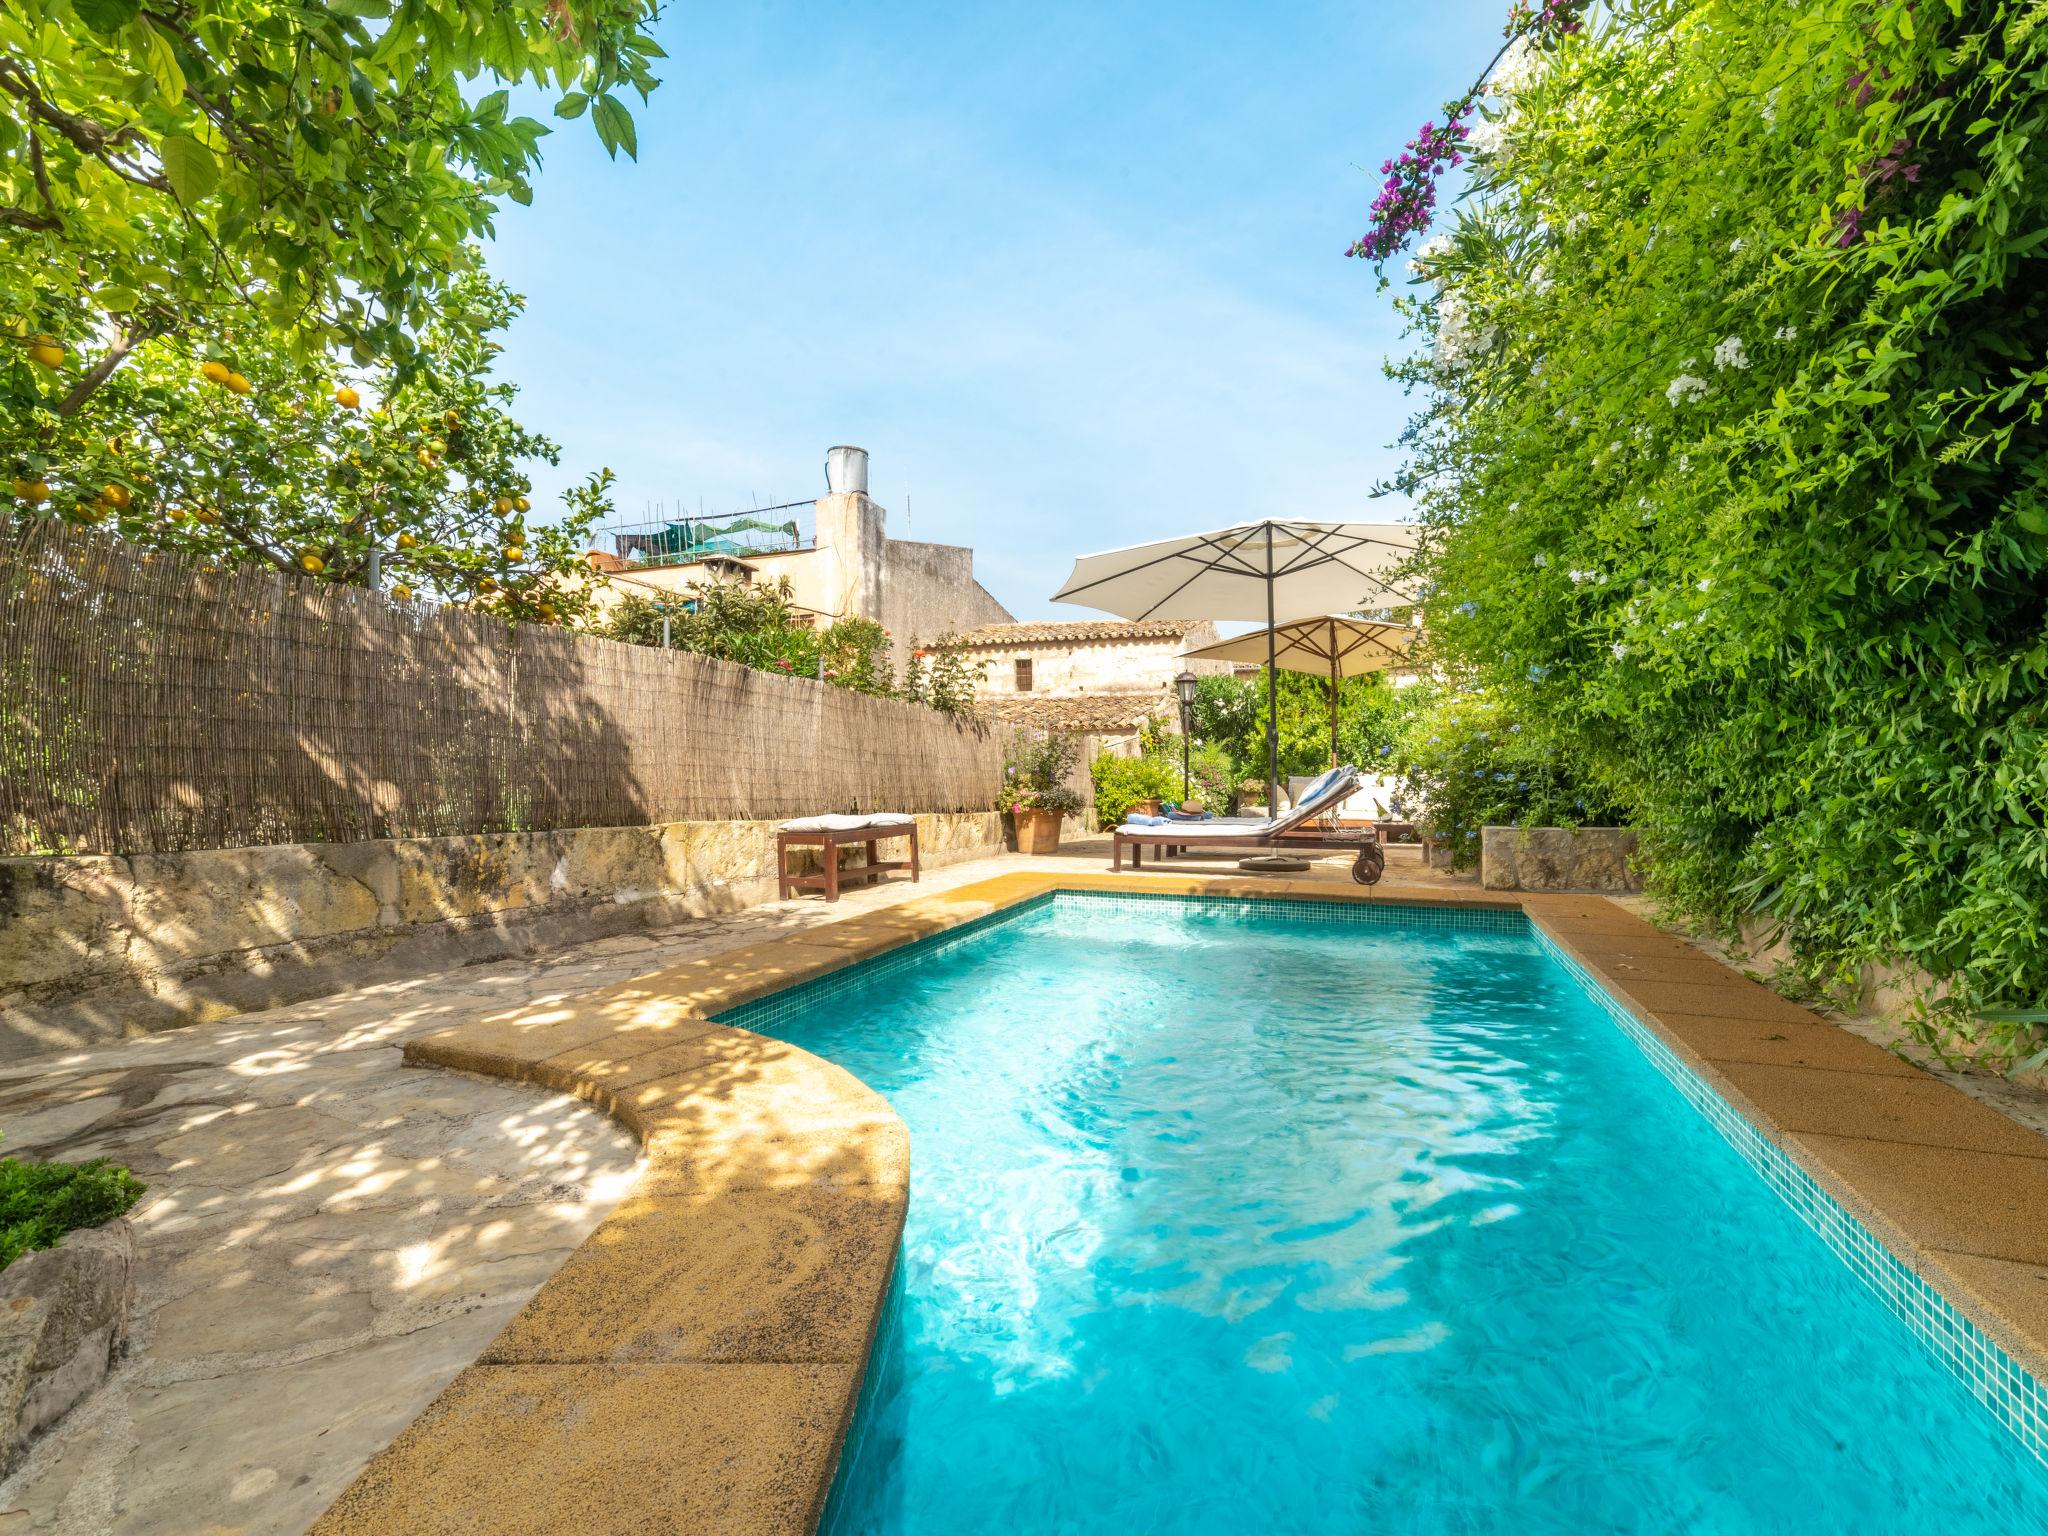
(1038, 831)
(1147, 807)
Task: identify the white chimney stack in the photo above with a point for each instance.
(846, 471)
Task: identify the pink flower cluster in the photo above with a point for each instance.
(1407, 201)
(1553, 16)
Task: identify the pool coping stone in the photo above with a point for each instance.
(695, 1364)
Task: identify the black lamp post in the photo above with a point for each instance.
(1184, 685)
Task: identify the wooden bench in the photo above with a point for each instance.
(829, 840)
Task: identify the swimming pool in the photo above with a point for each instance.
(1244, 1216)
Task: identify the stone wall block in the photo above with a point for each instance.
(63, 1319)
(63, 918)
(1601, 859)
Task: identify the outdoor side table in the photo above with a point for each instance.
(829, 834)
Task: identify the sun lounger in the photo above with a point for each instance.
(828, 834)
(1290, 832)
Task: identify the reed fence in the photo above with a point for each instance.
(150, 704)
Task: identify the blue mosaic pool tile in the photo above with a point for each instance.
(2012, 1395)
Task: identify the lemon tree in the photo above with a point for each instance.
(241, 453)
(188, 167)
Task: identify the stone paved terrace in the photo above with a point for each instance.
(329, 1236)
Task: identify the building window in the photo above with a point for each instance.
(1024, 674)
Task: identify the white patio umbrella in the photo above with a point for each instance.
(1332, 645)
(1271, 571)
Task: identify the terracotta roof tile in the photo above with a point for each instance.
(1078, 629)
(1087, 713)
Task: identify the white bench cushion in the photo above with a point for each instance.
(849, 823)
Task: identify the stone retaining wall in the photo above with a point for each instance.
(98, 948)
(1559, 859)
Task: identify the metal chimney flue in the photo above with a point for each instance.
(846, 471)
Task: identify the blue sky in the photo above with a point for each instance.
(1073, 275)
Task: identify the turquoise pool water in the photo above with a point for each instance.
(1252, 1222)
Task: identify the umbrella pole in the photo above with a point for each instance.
(1333, 693)
(1272, 691)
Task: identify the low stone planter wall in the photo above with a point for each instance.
(99, 948)
(1559, 859)
(63, 1319)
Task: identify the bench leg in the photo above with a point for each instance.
(782, 869)
(915, 869)
(831, 871)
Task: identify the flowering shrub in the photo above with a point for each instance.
(1121, 782)
(1469, 764)
(1737, 476)
(1035, 778)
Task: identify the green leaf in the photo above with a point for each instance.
(615, 127)
(572, 105)
(366, 8)
(163, 62)
(190, 168)
(107, 15)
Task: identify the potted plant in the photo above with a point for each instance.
(1036, 792)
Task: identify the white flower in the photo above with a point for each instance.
(1705, 582)
(1459, 338)
(1541, 561)
(1620, 650)
(1486, 138)
(1730, 354)
(1521, 66)
(1735, 245)
(1685, 387)
(1785, 333)
(1579, 578)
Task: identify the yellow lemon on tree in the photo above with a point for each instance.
(522, 504)
(425, 458)
(175, 514)
(487, 585)
(402, 592)
(91, 511)
(347, 398)
(238, 384)
(547, 613)
(34, 492)
(515, 551)
(44, 350)
(406, 541)
(215, 372)
(115, 496)
(312, 564)
(207, 515)
(451, 418)
(502, 505)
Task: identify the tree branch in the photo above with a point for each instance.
(124, 343)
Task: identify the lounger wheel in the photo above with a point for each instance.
(1370, 864)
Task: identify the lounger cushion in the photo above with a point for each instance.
(848, 823)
